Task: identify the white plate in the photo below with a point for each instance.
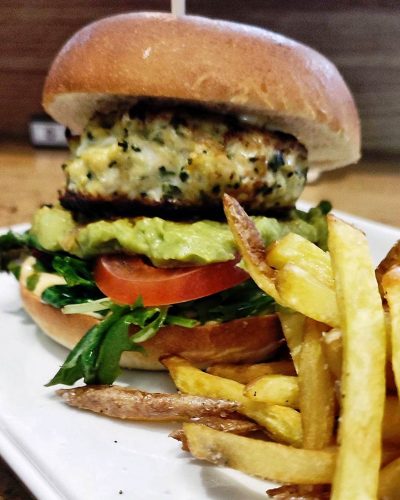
(63, 453)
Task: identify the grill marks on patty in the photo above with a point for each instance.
(95, 208)
(152, 161)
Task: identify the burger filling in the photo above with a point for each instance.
(100, 253)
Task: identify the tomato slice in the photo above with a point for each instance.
(124, 279)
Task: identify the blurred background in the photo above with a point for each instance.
(361, 37)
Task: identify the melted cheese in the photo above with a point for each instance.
(45, 280)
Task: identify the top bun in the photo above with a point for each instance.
(276, 81)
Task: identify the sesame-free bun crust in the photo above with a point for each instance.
(243, 340)
(282, 84)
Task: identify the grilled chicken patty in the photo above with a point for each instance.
(175, 159)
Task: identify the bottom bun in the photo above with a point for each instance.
(245, 340)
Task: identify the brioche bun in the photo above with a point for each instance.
(279, 83)
(238, 341)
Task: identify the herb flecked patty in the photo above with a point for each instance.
(180, 159)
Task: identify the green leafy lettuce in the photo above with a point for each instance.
(96, 356)
(80, 286)
(14, 247)
(240, 301)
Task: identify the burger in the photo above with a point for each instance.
(164, 115)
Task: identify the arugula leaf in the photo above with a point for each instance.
(32, 281)
(91, 306)
(115, 343)
(149, 330)
(13, 249)
(74, 271)
(181, 321)
(240, 301)
(60, 296)
(96, 357)
(11, 240)
(13, 267)
(81, 361)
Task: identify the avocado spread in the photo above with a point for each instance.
(164, 242)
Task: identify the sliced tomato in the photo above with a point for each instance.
(124, 279)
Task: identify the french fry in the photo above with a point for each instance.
(389, 481)
(244, 428)
(246, 373)
(293, 329)
(251, 247)
(267, 460)
(317, 395)
(300, 492)
(391, 418)
(233, 425)
(389, 453)
(333, 351)
(295, 249)
(364, 350)
(332, 347)
(132, 404)
(283, 424)
(275, 390)
(391, 287)
(392, 259)
(301, 291)
(291, 286)
(391, 421)
(391, 387)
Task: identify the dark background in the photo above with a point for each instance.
(361, 37)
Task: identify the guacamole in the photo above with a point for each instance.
(164, 242)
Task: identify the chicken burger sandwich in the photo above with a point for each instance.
(164, 115)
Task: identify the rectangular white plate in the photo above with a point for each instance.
(63, 453)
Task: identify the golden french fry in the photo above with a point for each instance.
(302, 292)
(283, 424)
(392, 259)
(332, 347)
(389, 481)
(291, 286)
(293, 328)
(131, 404)
(248, 372)
(364, 349)
(391, 287)
(300, 492)
(267, 460)
(389, 453)
(390, 381)
(275, 390)
(251, 247)
(317, 395)
(391, 421)
(241, 427)
(333, 351)
(295, 249)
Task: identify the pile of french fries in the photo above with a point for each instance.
(325, 422)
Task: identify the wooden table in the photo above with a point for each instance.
(29, 178)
